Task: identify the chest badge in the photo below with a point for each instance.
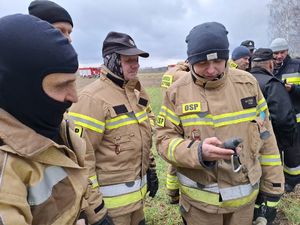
(191, 107)
(249, 102)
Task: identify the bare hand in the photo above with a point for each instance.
(212, 152)
(288, 86)
(80, 222)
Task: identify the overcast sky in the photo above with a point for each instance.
(157, 26)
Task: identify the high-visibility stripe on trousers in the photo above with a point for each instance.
(234, 196)
(118, 195)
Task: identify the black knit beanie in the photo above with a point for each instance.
(30, 50)
(49, 11)
(207, 41)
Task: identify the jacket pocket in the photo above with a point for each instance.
(255, 142)
(123, 142)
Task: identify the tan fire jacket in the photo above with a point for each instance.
(42, 182)
(113, 114)
(232, 106)
(174, 73)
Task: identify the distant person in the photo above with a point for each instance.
(43, 175)
(287, 69)
(113, 112)
(251, 46)
(282, 112)
(240, 58)
(203, 120)
(54, 14)
(181, 69)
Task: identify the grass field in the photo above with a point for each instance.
(159, 212)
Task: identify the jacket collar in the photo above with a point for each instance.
(201, 81)
(23, 141)
(259, 70)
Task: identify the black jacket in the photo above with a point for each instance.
(291, 68)
(280, 106)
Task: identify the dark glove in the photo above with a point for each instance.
(265, 211)
(152, 182)
(106, 220)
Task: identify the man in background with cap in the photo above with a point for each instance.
(113, 113)
(53, 14)
(43, 174)
(282, 112)
(240, 58)
(287, 70)
(251, 46)
(202, 121)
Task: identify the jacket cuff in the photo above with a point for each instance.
(205, 164)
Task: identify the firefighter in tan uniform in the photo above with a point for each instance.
(202, 121)
(113, 113)
(170, 76)
(43, 172)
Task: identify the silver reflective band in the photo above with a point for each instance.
(229, 193)
(125, 188)
(292, 169)
(298, 115)
(40, 192)
(289, 75)
(88, 122)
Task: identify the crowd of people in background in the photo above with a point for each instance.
(228, 127)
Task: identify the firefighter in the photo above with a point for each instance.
(170, 76)
(240, 58)
(219, 182)
(287, 69)
(113, 113)
(54, 14)
(43, 179)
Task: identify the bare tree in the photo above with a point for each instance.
(284, 21)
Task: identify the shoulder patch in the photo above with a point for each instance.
(79, 130)
(160, 121)
(191, 107)
(166, 81)
(119, 109)
(249, 102)
(143, 102)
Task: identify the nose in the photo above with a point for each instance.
(71, 95)
(210, 69)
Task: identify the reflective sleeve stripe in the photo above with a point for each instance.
(232, 196)
(272, 204)
(172, 182)
(290, 75)
(298, 118)
(270, 160)
(166, 81)
(261, 105)
(40, 192)
(124, 188)
(87, 122)
(123, 200)
(293, 78)
(94, 181)
(171, 148)
(141, 116)
(121, 121)
(219, 120)
(292, 171)
(169, 115)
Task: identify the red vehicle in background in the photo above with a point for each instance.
(90, 72)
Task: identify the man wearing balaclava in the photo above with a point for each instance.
(113, 113)
(43, 175)
(54, 14)
(214, 127)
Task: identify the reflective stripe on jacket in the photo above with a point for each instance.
(232, 106)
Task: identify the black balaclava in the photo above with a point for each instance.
(49, 11)
(30, 50)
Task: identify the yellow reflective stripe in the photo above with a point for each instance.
(270, 160)
(172, 182)
(141, 116)
(171, 148)
(272, 204)
(292, 171)
(298, 118)
(293, 80)
(261, 105)
(120, 121)
(219, 120)
(87, 122)
(213, 199)
(123, 200)
(94, 181)
(169, 114)
(166, 81)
